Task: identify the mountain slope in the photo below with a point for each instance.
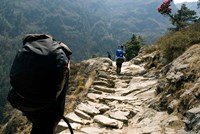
(137, 101)
(162, 95)
(91, 26)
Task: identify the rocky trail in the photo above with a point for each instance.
(119, 104)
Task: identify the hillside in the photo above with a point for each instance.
(139, 101)
(157, 91)
(89, 27)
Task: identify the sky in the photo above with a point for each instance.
(180, 1)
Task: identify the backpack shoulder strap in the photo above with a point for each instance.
(65, 48)
(70, 127)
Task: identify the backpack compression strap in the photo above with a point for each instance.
(34, 37)
(70, 127)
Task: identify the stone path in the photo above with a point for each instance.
(119, 105)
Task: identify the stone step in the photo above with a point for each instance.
(101, 79)
(68, 132)
(120, 109)
(152, 129)
(148, 91)
(91, 110)
(109, 84)
(92, 130)
(63, 126)
(101, 107)
(118, 98)
(92, 90)
(104, 89)
(93, 97)
(121, 116)
(125, 77)
(73, 118)
(82, 114)
(129, 91)
(103, 74)
(169, 131)
(138, 89)
(108, 122)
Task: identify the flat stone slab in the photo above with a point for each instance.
(151, 129)
(92, 90)
(68, 132)
(93, 96)
(108, 122)
(91, 110)
(92, 130)
(104, 83)
(72, 117)
(63, 125)
(119, 98)
(119, 115)
(82, 114)
(139, 84)
(101, 107)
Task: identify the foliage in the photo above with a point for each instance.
(182, 18)
(132, 47)
(73, 23)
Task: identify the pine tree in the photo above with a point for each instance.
(132, 47)
(184, 16)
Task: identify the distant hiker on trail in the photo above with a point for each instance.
(120, 58)
(109, 56)
(39, 79)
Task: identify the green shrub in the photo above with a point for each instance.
(132, 47)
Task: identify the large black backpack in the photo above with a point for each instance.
(39, 72)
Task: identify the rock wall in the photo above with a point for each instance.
(179, 88)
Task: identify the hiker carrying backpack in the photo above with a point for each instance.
(120, 58)
(39, 79)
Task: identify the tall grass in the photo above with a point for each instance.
(173, 44)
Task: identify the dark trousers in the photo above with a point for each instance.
(46, 128)
(46, 121)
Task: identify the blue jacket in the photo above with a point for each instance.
(119, 53)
